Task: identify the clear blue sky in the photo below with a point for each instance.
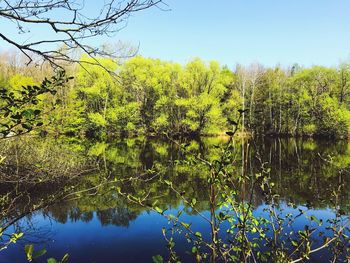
(243, 31)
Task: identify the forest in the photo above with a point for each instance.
(153, 97)
(114, 151)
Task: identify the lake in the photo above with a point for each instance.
(96, 224)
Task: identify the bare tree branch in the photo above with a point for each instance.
(68, 23)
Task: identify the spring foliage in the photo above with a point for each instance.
(150, 96)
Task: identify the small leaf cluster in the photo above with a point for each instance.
(19, 110)
(32, 255)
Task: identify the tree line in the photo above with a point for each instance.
(151, 96)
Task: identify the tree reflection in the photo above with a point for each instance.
(299, 169)
(120, 216)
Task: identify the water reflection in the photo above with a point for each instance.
(299, 169)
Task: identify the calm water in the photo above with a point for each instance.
(101, 226)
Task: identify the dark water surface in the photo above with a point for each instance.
(101, 226)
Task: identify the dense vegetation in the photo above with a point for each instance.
(150, 96)
(153, 97)
(140, 167)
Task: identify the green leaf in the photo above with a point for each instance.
(194, 201)
(19, 235)
(51, 260)
(185, 225)
(313, 218)
(198, 234)
(27, 113)
(179, 213)
(65, 258)
(157, 259)
(167, 182)
(160, 211)
(294, 243)
(194, 250)
(29, 249)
